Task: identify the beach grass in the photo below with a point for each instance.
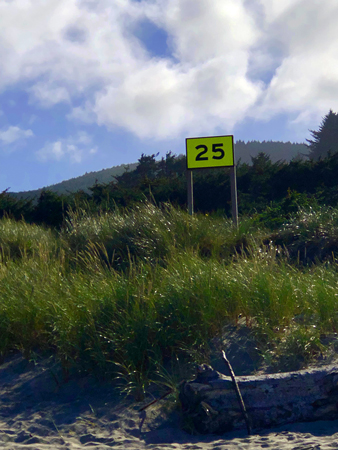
(135, 294)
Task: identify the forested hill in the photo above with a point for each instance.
(278, 151)
(82, 183)
(284, 151)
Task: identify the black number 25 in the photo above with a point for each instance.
(216, 148)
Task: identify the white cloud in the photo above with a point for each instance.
(202, 30)
(51, 150)
(48, 94)
(305, 81)
(74, 149)
(67, 48)
(14, 134)
(230, 59)
(84, 113)
(160, 101)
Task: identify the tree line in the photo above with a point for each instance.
(270, 189)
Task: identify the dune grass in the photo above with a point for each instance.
(151, 234)
(127, 294)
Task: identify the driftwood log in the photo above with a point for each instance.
(210, 401)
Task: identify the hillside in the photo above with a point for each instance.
(82, 183)
(284, 151)
(278, 151)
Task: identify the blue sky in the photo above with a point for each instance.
(89, 84)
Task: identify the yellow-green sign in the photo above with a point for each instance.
(205, 152)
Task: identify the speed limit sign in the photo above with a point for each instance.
(208, 152)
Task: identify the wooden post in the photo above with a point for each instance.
(238, 392)
(234, 205)
(190, 192)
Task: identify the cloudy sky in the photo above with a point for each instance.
(89, 84)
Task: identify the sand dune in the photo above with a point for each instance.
(38, 411)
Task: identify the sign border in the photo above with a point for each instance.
(212, 167)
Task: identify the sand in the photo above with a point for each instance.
(39, 411)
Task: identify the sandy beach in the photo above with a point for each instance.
(39, 411)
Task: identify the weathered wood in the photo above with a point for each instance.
(238, 392)
(155, 401)
(271, 400)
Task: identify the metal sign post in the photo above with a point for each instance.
(234, 204)
(211, 152)
(190, 192)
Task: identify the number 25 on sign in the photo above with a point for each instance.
(207, 152)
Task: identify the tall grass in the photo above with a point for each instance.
(18, 239)
(124, 293)
(151, 234)
(311, 235)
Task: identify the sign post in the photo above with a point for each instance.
(190, 192)
(212, 152)
(234, 204)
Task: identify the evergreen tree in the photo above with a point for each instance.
(325, 140)
(15, 207)
(51, 208)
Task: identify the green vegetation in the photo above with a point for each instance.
(121, 282)
(81, 183)
(324, 140)
(284, 151)
(132, 292)
(280, 186)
